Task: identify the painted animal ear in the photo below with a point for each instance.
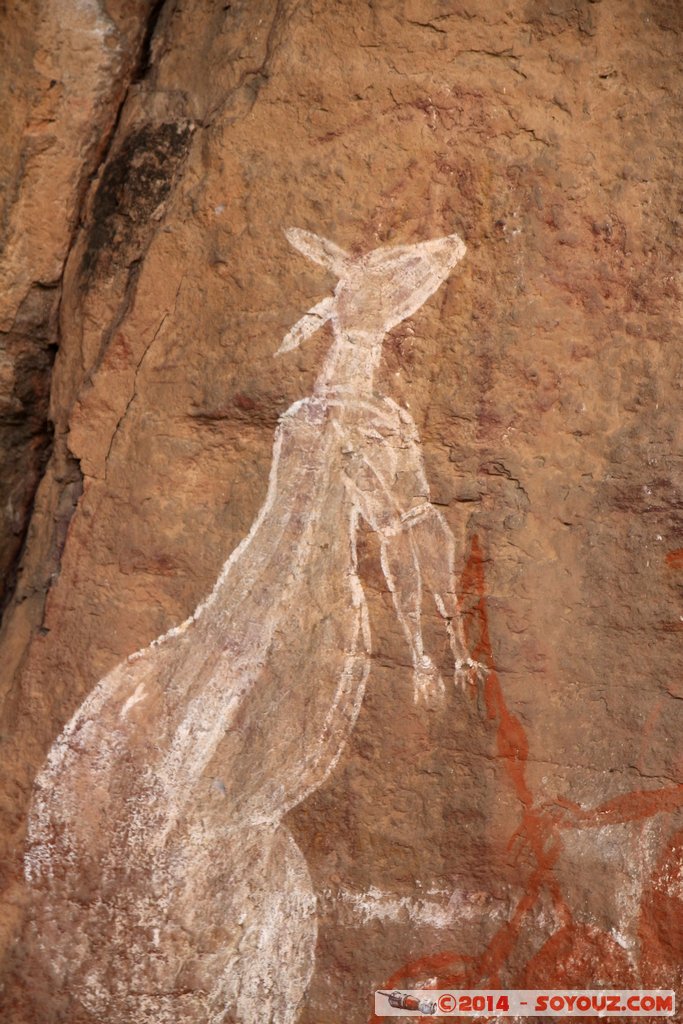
(318, 249)
(308, 324)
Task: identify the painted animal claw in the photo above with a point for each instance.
(469, 673)
(428, 685)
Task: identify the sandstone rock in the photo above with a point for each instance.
(67, 68)
(527, 830)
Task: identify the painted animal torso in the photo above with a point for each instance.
(171, 781)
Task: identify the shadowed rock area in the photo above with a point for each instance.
(522, 829)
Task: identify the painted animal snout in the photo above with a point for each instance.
(375, 291)
(385, 287)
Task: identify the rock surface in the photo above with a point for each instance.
(527, 830)
(67, 70)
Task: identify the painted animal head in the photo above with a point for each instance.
(375, 291)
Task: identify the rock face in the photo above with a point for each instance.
(520, 828)
(68, 67)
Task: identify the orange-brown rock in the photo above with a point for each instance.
(67, 70)
(525, 830)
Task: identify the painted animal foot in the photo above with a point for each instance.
(428, 686)
(470, 675)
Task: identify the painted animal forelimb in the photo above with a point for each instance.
(375, 292)
(389, 488)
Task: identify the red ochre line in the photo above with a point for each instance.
(541, 825)
(634, 806)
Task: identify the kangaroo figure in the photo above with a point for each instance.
(165, 887)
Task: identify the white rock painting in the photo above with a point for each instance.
(165, 886)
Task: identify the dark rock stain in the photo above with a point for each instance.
(135, 182)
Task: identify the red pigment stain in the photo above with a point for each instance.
(661, 918)
(579, 956)
(571, 955)
(244, 402)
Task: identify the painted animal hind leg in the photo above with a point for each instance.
(271, 901)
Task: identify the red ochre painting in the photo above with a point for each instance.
(570, 957)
